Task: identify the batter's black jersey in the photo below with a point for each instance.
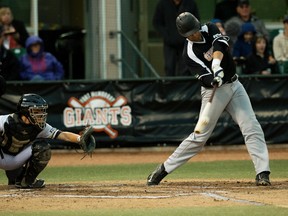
(198, 55)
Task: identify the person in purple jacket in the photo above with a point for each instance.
(37, 64)
(243, 45)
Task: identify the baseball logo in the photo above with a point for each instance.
(100, 110)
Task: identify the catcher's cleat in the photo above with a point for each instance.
(38, 183)
(262, 179)
(155, 177)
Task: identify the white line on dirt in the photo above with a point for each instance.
(207, 194)
(112, 197)
(96, 196)
(220, 197)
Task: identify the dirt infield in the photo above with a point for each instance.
(134, 194)
(156, 155)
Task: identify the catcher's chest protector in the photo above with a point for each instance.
(17, 135)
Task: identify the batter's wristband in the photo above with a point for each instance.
(216, 63)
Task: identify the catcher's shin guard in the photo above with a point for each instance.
(155, 177)
(41, 155)
(12, 175)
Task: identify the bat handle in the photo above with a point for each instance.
(213, 93)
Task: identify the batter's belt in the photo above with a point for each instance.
(233, 79)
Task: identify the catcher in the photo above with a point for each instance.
(24, 146)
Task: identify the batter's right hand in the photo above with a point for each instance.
(217, 81)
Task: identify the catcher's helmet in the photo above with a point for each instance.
(187, 24)
(33, 107)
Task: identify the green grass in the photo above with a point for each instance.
(194, 170)
(199, 211)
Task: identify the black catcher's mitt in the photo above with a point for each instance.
(87, 141)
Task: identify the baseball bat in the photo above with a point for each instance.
(205, 117)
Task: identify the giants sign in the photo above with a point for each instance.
(100, 110)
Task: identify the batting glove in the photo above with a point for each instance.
(218, 73)
(217, 81)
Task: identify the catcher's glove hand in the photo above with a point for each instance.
(87, 141)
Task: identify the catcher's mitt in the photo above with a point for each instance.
(87, 141)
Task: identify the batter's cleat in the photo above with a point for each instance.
(262, 179)
(155, 177)
(38, 183)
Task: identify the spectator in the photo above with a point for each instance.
(18, 50)
(9, 64)
(260, 61)
(13, 28)
(225, 9)
(37, 64)
(233, 25)
(220, 25)
(243, 45)
(280, 47)
(164, 19)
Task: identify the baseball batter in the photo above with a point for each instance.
(207, 55)
(24, 149)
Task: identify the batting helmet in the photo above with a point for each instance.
(187, 24)
(33, 107)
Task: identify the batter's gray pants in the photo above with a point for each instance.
(233, 98)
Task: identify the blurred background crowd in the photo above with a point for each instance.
(85, 39)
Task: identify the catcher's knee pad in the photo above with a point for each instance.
(41, 151)
(41, 154)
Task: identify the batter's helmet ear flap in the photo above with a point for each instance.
(187, 24)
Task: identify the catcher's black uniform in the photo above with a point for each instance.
(23, 141)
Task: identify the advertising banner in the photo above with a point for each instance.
(148, 112)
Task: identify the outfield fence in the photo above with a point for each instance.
(145, 112)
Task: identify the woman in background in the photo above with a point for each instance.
(12, 28)
(260, 61)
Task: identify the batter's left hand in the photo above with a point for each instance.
(218, 75)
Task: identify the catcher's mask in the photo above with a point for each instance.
(33, 107)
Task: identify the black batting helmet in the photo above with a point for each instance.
(187, 24)
(33, 107)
